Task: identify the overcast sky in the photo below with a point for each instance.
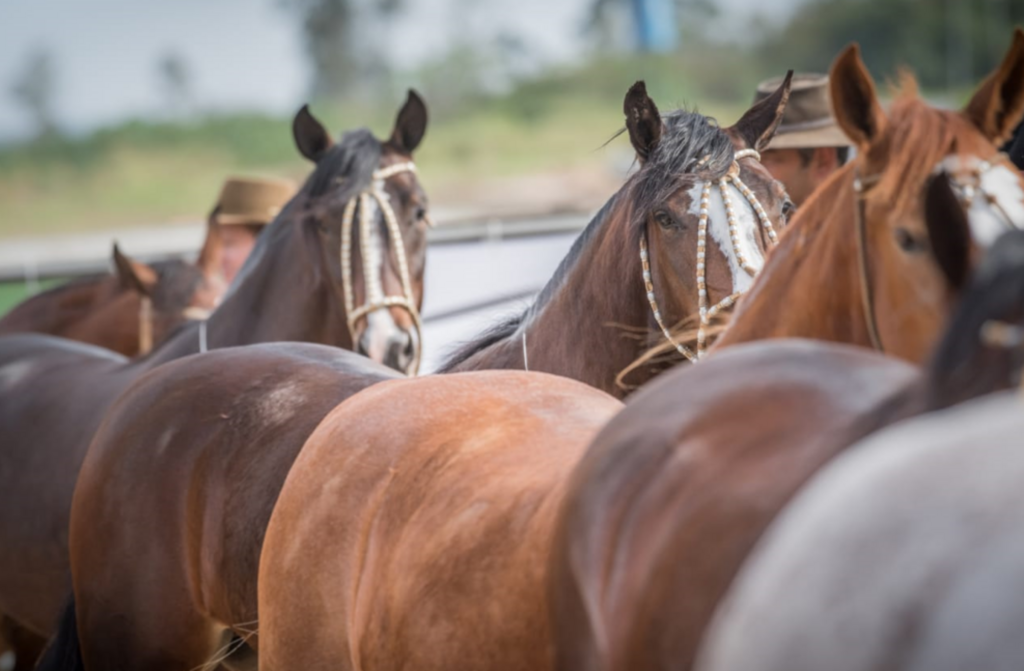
(241, 53)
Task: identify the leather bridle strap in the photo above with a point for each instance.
(145, 324)
(860, 187)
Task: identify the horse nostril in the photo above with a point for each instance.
(410, 348)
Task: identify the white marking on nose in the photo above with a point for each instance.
(381, 328)
(999, 182)
(987, 221)
(7, 661)
(718, 228)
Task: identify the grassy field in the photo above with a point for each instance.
(140, 173)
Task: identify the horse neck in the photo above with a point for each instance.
(283, 297)
(575, 328)
(809, 286)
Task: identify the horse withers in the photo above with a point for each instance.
(293, 287)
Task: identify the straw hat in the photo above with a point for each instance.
(807, 121)
(247, 200)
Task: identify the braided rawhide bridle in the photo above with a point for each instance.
(375, 297)
(965, 192)
(708, 313)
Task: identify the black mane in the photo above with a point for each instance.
(692, 145)
(349, 164)
(352, 161)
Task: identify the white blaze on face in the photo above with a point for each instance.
(380, 326)
(718, 230)
(1001, 183)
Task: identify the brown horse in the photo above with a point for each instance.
(862, 236)
(55, 392)
(603, 306)
(676, 490)
(200, 609)
(127, 312)
(903, 554)
(423, 544)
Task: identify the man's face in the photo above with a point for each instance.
(237, 242)
(800, 176)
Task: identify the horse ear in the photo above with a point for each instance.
(854, 100)
(643, 121)
(757, 126)
(210, 254)
(410, 125)
(311, 137)
(133, 275)
(949, 230)
(998, 105)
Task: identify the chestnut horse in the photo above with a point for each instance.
(203, 610)
(679, 486)
(127, 312)
(904, 553)
(54, 392)
(424, 544)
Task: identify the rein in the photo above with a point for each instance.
(965, 193)
(707, 313)
(860, 188)
(375, 297)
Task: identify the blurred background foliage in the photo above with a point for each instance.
(492, 113)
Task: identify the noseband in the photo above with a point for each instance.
(966, 193)
(706, 313)
(375, 297)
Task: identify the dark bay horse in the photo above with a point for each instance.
(675, 491)
(127, 312)
(645, 262)
(293, 287)
(200, 609)
(904, 553)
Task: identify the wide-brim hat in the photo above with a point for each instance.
(251, 200)
(807, 121)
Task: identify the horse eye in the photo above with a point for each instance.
(421, 213)
(664, 219)
(788, 208)
(908, 242)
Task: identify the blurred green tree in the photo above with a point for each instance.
(34, 90)
(948, 43)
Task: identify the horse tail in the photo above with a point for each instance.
(64, 652)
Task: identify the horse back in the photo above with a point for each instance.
(418, 516)
(199, 447)
(678, 487)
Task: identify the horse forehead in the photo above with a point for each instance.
(1000, 195)
(719, 230)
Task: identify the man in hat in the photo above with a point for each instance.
(245, 206)
(808, 145)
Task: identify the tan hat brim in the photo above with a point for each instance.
(829, 136)
(241, 220)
